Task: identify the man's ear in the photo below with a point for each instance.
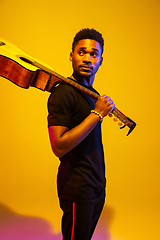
(101, 61)
(71, 56)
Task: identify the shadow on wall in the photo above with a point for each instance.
(14, 226)
(18, 227)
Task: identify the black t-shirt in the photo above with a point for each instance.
(81, 174)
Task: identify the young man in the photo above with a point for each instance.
(74, 123)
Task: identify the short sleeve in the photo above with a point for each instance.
(61, 105)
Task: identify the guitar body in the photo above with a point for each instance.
(17, 67)
(15, 72)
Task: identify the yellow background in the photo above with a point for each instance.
(129, 74)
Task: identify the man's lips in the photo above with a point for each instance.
(86, 67)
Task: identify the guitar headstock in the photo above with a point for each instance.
(122, 122)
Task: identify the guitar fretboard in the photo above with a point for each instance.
(117, 113)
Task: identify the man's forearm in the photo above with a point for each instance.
(65, 141)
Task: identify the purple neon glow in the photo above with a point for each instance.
(14, 226)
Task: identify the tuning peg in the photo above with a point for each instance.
(110, 115)
(115, 119)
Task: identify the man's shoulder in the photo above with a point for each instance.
(64, 87)
(63, 91)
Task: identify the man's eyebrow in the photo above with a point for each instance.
(94, 49)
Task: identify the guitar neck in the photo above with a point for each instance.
(57, 78)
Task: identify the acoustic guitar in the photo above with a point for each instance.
(25, 71)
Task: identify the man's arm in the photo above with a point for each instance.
(63, 140)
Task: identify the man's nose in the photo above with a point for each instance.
(87, 58)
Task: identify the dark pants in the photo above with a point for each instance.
(79, 220)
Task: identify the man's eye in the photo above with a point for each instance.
(81, 53)
(94, 54)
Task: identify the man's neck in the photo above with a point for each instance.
(82, 80)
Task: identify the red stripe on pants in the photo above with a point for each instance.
(73, 220)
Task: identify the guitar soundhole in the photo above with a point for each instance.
(2, 43)
(26, 60)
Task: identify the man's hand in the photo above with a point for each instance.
(104, 105)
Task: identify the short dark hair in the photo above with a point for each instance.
(87, 33)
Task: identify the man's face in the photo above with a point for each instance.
(86, 58)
